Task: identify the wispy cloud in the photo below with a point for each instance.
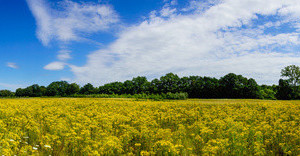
(64, 55)
(70, 21)
(11, 87)
(12, 65)
(55, 66)
(213, 39)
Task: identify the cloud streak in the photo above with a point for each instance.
(12, 65)
(11, 87)
(70, 21)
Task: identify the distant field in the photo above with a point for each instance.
(70, 126)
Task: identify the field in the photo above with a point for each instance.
(57, 126)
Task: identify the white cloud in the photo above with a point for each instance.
(170, 2)
(64, 55)
(55, 66)
(44, 21)
(213, 42)
(167, 12)
(70, 20)
(291, 8)
(12, 65)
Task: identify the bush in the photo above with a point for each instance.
(176, 96)
(6, 93)
(171, 96)
(267, 94)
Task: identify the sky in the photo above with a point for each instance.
(102, 41)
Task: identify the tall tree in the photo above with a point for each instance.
(34, 90)
(87, 89)
(251, 89)
(140, 84)
(232, 86)
(6, 93)
(112, 88)
(169, 83)
(72, 89)
(292, 72)
(20, 92)
(58, 88)
(285, 91)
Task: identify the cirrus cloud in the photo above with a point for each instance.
(69, 21)
(12, 65)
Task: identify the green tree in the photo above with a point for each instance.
(169, 83)
(112, 88)
(292, 72)
(284, 91)
(34, 91)
(154, 86)
(251, 89)
(6, 93)
(58, 88)
(267, 92)
(20, 92)
(87, 89)
(128, 87)
(72, 88)
(237, 86)
(191, 85)
(43, 90)
(210, 87)
(232, 86)
(140, 84)
(200, 87)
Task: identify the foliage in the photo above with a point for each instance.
(293, 74)
(170, 86)
(228, 86)
(267, 92)
(87, 89)
(73, 88)
(284, 92)
(289, 88)
(6, 93)
(171, 96)
(201, 87)
(237, 86)
(84, 126)
(58, 88)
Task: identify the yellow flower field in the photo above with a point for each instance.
(57, 126)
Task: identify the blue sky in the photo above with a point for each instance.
(101, 41)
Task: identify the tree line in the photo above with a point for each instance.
(229, 86)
